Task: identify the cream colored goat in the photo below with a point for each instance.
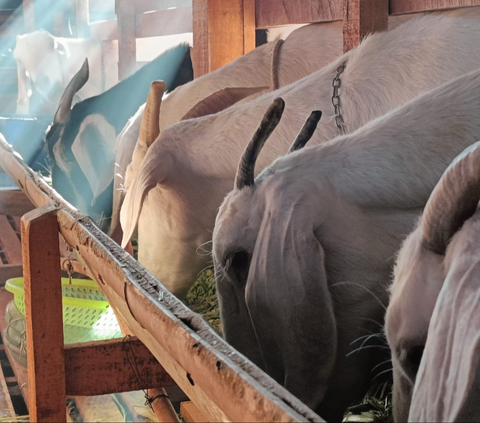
(304, 253)
(190, 168)
(436, 292)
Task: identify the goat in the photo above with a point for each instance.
(303, 254)
(435, 293)
(50, 63)
(273, 65)
(184, 176)
(81, 140)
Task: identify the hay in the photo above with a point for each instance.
(202, 299)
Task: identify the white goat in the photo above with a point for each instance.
(188, 171)
(272, 65)
(51, 62)
(436, 277)
(267, 66)
(303, 254)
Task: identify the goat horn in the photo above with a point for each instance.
(246, 168)
(306, 132)
(75, 84)
(453, 201)
(150, 127)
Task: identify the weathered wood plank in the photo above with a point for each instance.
(248, 25)
(99, 409)
(190, 413)
(142, 6)
(82, 18)
(116, 365)
(218, 33)
(8, 271)
(362, 17)
(29, 15)
(6, 407)
(127, 48)
(270, 13)
(43, 315)
(398, 7)
(164, 22)
(14, 202)
(104, 30)
(200, 37)
(9, 242)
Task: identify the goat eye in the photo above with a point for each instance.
(237, 264)
(413, 358)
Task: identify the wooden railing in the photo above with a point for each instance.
(223, 384)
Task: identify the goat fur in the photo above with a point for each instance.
(303, 258)
(191, 167)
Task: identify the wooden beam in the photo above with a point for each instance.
(9, 242)
(8, 271)
(191, 413)
(29, 15)
(142, 6)
(248, 25)
(164, 22)
(82, 18)
(116, 365)
(270, 13)
(362, 17)
(127, 48)
(14, 202)
(104, 30)
(222, 31)
(43, 315)
(398, 7)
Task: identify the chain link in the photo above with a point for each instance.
(336, 100)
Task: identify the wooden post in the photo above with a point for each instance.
(127, 49)
(43, 315)
(29, 15)
(362, 17)
(82, 18)
(222, 31)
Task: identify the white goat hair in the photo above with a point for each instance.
(51, 62)
(435, 292)
(300, 55)
(303, 255)
(190, 167)
(304, 51)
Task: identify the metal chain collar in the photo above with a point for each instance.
(336, 100)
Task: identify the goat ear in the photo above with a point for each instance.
(237, 328)
(448, 382)
(290, 306)
(94, 150)
(221, 100)
(152, 172)
(124, 146)
(77, 82)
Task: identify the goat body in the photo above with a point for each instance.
(186, 174)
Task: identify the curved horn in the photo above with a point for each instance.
(150, 127)
(76, 83)
(453, 201)
(246, 168)
(306, 132)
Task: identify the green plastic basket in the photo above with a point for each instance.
(83, 302)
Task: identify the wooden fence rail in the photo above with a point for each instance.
(223, 384)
